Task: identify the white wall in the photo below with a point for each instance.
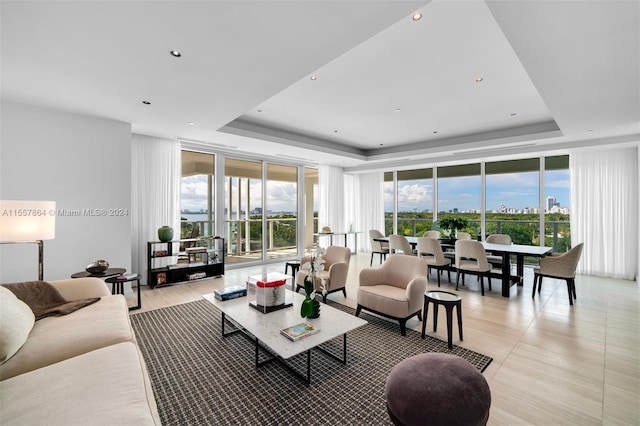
(80, 162)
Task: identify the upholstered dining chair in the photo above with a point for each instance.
(472, 259)
(561, 266)
(399, 244)
(496, 260)
(336, 268)
(431, 234)
(395, 289)
(378, 247)
(431, 251)
(463, 235)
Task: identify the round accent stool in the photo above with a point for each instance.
(449, 301)
(437, 389)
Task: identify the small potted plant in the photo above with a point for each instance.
(452, 224)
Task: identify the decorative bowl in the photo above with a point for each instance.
(97, 267)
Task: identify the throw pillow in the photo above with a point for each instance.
(16, 322)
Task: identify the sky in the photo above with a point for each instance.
(515, 190)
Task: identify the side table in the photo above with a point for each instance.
(108, 273)
(119, 287)
(449, 301)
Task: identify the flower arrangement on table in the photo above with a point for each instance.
(310, 306)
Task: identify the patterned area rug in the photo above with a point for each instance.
(199, 377)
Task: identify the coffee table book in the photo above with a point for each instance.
(232, 292)
(299, 331)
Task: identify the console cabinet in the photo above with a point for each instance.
(184, 260)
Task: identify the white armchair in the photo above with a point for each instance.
(334, 275)
(395, 289)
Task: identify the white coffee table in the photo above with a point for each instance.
(264, 329)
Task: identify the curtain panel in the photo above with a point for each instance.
(604, 211)
(370, 202)
(155, 194)
(331, 208)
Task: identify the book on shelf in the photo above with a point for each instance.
(232, 292)
(300, 331)
(196, 276)
(196, 249)
(178, 266)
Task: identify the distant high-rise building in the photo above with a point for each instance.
(551, 202)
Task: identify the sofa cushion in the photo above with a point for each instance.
(16, 322)
(54, 339)
(108, 386)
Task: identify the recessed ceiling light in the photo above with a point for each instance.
(259, 110)
(335, 131)
(417, 16)
(513, 113)
(146, 102)
(589, 130)
(191, 123)
(175, 53)
(479, 79)
(398, 110)
(381, 144)
(313, 77)
(435, 131)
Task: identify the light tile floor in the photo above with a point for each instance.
(553, 363)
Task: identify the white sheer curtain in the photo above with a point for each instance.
(370, 206)
(155, 193)
(331, 209)
(604, 211)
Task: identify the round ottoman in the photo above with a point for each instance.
(437, 389)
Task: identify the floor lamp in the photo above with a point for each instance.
(28, 222)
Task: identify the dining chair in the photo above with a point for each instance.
(561, 266)
(399, 243)
(378, 247)
(472, 259)
(394, 290)
(463, 236)
(496, 260)
(432, 234)
(430, 250)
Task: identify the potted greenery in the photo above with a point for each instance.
(452, 224)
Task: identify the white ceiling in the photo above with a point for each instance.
(568, 70)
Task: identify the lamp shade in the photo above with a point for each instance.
(22, 220)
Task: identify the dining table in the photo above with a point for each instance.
(520, 251)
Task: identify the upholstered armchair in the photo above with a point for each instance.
(336, 268)
(560, 266)
(395, 289)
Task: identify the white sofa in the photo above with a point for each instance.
(83, 368)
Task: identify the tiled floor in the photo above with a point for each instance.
(553, 363)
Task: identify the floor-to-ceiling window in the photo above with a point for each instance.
(197, 192)
(243, 210)
(556, 207)
(459, 194)
(512, 200)
(281, 210)
(390, 197)
(415, 201)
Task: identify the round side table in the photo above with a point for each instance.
(118, 282)
(449, 301)
(106, 274)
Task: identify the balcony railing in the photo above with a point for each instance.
(557, 234)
